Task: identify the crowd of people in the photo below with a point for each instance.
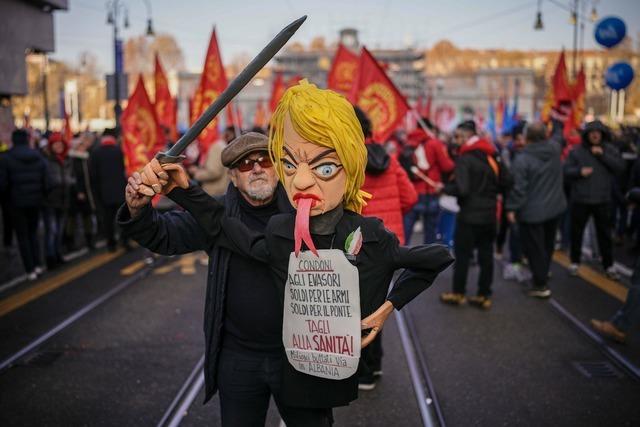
(531, 191)
(59, 196)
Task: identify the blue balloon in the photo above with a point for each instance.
(619, 75)
(610, 31)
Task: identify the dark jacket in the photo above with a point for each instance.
(24, 177)
(108, 176)
(476, 184)
(597, 187)
(376, 262)
(61, 181)
(174, 233)
(80, 162)
(537, 194)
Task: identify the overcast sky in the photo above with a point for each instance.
(245, 26)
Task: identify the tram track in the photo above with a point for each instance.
(36, 343)
(423, 387)
(180, 404)
(622, 362)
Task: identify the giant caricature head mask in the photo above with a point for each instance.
(317, 146)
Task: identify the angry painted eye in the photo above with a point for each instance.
(288, 166)
(326, 170)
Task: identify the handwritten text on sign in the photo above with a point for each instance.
(321, 323)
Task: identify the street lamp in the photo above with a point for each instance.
(150, 31)
(114, 9)
(538, 25)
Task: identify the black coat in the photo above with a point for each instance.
(378, 259)
(23, 175)
(537, 194)
(174, 233)
(477, 186)
(597, 187)
(108, 176)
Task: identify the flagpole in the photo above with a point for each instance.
(421, 123)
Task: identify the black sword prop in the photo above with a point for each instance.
(174, 153)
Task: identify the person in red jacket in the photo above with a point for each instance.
(429, 155)
(392, 191)
(393, 195)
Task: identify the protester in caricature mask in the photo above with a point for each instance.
(317, 145)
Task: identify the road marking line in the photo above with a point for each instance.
(53, 283)
(587, 273)
(132, 268)
(186, 263)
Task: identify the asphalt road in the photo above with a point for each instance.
(124, 362)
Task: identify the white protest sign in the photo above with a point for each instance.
(321, 321)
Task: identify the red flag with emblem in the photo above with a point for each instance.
(212, 83)
(164, 105)
(343, 71)
(142, 135)
(374, 92)
(276, 92)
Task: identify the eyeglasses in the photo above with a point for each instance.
(245, 165)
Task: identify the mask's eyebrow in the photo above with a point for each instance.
(321, 155)
(290, 155)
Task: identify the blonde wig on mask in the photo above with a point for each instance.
(323, 117)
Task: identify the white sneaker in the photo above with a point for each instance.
(612, 273)
(38, 270)
(32, 276)
(573, 269)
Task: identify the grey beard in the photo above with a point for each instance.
(263, 192)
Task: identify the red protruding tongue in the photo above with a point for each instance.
(301, 231)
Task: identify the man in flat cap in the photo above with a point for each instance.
(243, 314)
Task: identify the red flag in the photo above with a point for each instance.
(343, 71)
(212, 83)
(142, 134)
(578, 92)
(559, 92)
(260, 117)
(194, 104)
(276, 92)
(378, 97)
(164, 105)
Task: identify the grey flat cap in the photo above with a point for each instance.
(243, 145)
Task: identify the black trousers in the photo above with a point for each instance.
(467, 238)
(7, 222)
(108, 213)
(247, 380)
(25, 221)
(538, 241)
(601, 213)
(371, 359)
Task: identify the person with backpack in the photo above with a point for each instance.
(425, 158)
(477, 180)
